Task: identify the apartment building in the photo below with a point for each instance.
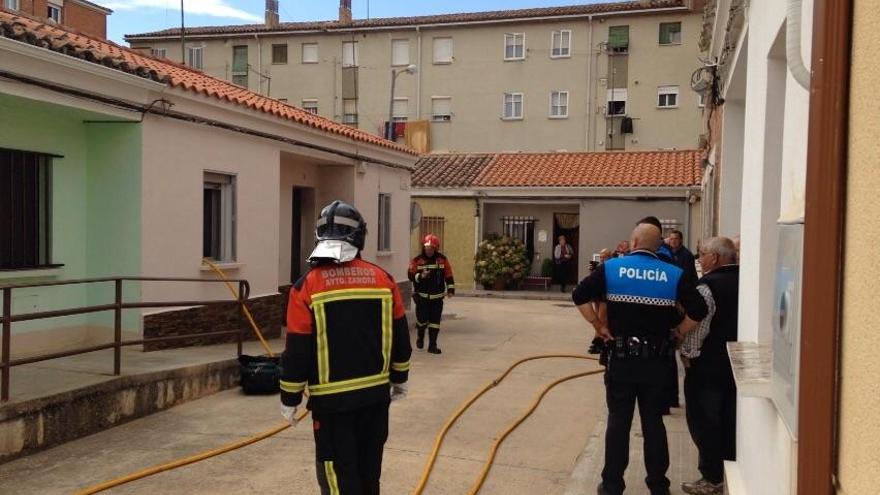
(611, 76)
(83, 16)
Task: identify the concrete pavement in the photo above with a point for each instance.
(480, 341)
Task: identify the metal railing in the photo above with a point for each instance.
(7, 319)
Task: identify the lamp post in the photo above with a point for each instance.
(409, 69)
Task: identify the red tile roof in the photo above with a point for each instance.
(390, 22)
(449, 170)
(103, 52)
(598, 169)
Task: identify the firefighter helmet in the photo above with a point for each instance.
(341, 222)
(432, 241)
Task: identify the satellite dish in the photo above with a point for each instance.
(415, 215)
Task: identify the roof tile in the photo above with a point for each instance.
(63, 40)
(597, 169)
(498, 15)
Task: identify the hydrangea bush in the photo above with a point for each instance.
(501, 259)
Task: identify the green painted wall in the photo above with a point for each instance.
(95, 195)
(113, 189)
(458, 234)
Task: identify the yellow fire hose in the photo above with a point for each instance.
(428, 466)
(438, 441)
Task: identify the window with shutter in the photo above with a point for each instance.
(441, 108)
(443, 51)
(399, 53)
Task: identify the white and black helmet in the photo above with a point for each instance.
(340, 221)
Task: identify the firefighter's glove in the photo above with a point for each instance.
(289, 413)
(398, 391)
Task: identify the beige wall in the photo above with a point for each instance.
(859, 428)
(458, 234)
(479, 76)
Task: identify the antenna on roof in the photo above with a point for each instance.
(182, 36)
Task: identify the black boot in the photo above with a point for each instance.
(432, 342)
(420, 338)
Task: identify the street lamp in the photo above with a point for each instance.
(409, 69)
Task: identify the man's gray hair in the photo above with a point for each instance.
(722, 246)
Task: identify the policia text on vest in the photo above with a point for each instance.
(641, 292)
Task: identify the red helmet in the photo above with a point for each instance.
(432, 241)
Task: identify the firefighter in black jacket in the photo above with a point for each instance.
(348, 345)
(431, 275)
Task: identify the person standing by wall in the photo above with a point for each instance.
(709, 388)
(563, 255)
(348, 344)
(431, 275)
(642, 293)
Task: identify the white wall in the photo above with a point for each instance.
(369, 183)
(774, 169)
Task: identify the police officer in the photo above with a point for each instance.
(431, 275)
(641, 293)
(348, 345)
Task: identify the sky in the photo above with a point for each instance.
(138, 16)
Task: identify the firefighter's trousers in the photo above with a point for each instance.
(348, 447)
(428, 313)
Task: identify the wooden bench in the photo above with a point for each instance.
(536, 282)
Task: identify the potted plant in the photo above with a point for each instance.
(501, 263)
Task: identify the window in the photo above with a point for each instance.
(513, 106)
(441, 108)
(522, 228)
(400, 109)
(11, 4)
(194, 56)
(350, 54)
(514, 46)
(279, 54)
(617, 101)
(670, 33)
(618, 39)
(558, 104)
(384, 222)
(53, 13)
(25, 200)
(310, 53)
(560, 45)
(349, 112)
(443, 51)
(240, 65)
(218, 231)
(159, 52)
(310, 105)
(399, 53)
(432, 225)
(667, 96)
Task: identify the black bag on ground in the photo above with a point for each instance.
(260, 374)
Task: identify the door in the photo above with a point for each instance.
(568, 224)
(296, 254)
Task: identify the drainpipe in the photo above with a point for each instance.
(793, 53)
(419, 76)
(259, 61)
(687, 216)
(590, 92)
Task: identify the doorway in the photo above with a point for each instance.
(568, 224)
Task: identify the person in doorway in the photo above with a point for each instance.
(348, 345)
(563, 255)
(642, 293)
(431, 275)
(709, 388)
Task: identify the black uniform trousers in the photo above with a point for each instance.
(622, 391)
(710, 405)
(348, 448)
(428, 314)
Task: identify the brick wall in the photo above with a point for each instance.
(265, 310)
(83, 19)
